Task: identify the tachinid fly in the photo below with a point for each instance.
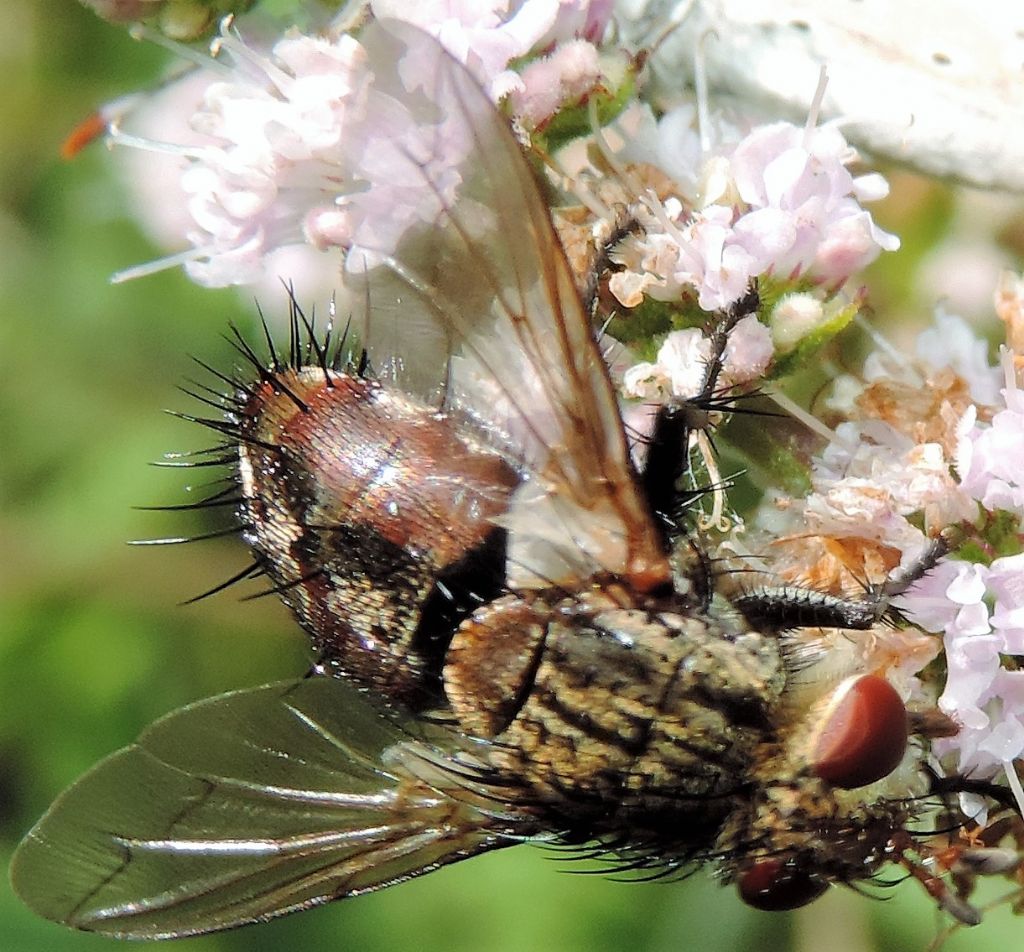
(516, 636)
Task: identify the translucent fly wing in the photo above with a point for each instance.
(936, 85)
(468, 296)
(244, 807)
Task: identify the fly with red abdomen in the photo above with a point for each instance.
(517, 633)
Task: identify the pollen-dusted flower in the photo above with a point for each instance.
(915, 477)
(886, 477)
(925, 396)
(888, 472)
(951, 342)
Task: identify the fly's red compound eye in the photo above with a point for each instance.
(864, 733)
(776, 885)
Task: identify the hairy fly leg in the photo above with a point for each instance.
(777, 608)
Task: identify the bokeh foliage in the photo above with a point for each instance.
(93, 642)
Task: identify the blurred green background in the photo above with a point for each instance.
(93, 642)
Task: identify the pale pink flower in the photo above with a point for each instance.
(684, 358)
(486, 35)
(748, 352)
(480, 35)
(949, 598)
(587, 19)
(646, 381)
(1006, 583)
(779, 200)
(263, 161)
(163, 212)
(989, 456)
(298, 145)
(681, 368)
(301, 147)
(572, 71)
(816, 223)
(703, 254)
(983, 697)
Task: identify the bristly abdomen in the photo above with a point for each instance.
(375, 517)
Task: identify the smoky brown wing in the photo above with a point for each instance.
(469, 296)
(241, 808)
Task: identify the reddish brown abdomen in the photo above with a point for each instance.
(375, 515)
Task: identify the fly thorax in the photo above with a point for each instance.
(621, 718)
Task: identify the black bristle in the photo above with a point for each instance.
(226, 450)
(342, 357)
(961, 783)
(218, 404)
(310, 327)
(231, 402)
(237, 340)
(195, 464)
(181, 540)
(227, 497)
(276, 380)
(271, 348)
(250, 571)
(237, 399)
(228, 428)
(294, 336)
(719, 336)
(233, 382)
(285, 586)
(314, 347)
(225, 426)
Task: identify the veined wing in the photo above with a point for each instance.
(251, 805)
(468, 295)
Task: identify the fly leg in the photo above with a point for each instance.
(778, 608)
